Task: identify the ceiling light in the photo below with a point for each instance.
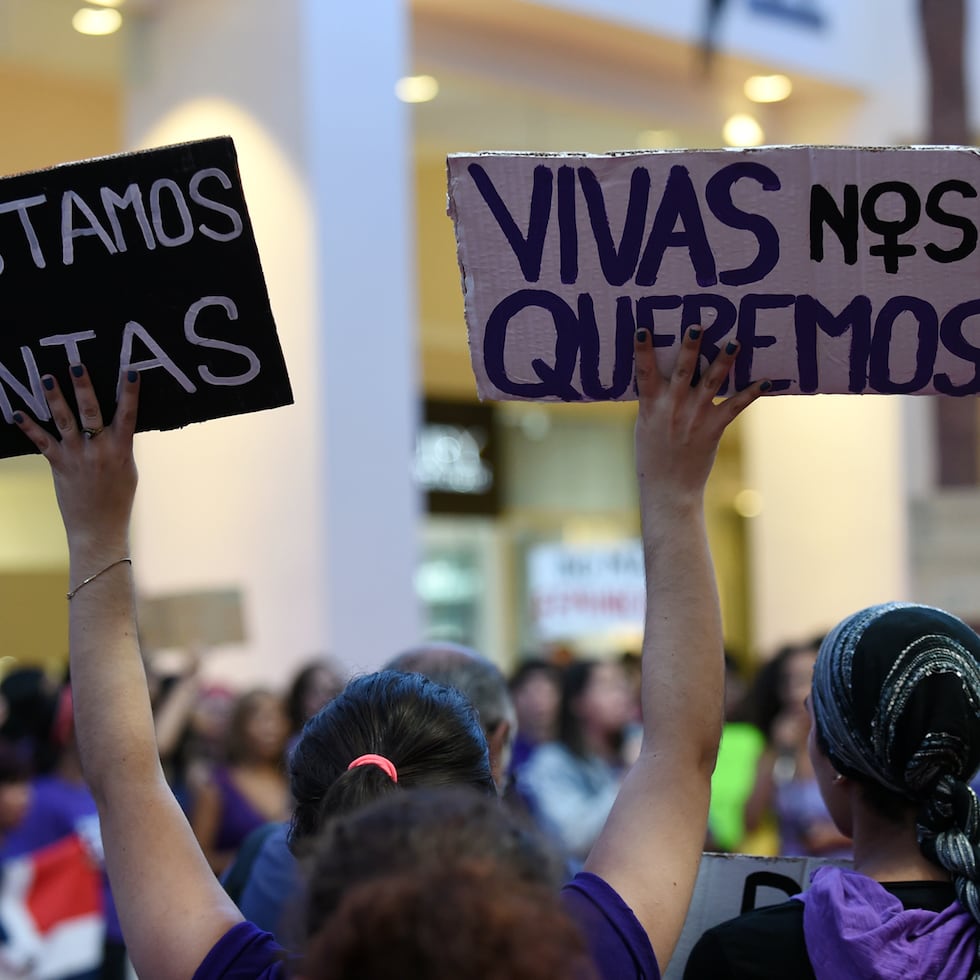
(742, 130)
(768, 88)
(96, 22)
(417, 88)
(748, 503)
(107, 3)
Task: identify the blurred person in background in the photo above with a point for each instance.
(29, 696)
(15, 800)
(191, 719)
(315, 684)
(174, 696)
(15, 788)
(535, 688)
(250, 788)
(786, 786)
(264, 880)
(742, 745)
(571, 783)
(481, 682)
(54, 879)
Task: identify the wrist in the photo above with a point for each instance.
(671, 497)
(87, 554)
(666, 515)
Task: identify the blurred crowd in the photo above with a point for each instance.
(561, 734)
(223, 753)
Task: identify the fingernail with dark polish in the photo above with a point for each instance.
(131, 376)
(48, 382)
(641, 335)
(694, 333)
(18, 418)
(731, 347)
(765, 386)
(77, 370)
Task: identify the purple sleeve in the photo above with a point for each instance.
(619, 945)
(244, 952)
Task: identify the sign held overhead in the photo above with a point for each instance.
(144, 260)
(837, 269)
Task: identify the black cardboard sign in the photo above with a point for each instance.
(144, 260)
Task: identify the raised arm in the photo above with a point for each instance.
(171, 907)
(651, 844)
(171, 716)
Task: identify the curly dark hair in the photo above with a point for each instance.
(440, 883)
(447, 923)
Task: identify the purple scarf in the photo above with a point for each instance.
(856, 930)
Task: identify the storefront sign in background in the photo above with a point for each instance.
(579, 591)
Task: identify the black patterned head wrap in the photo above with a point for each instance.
(896, 701)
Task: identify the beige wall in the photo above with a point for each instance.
(831, 535)
(46, 120)
(446, 371)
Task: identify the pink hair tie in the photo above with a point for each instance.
(376, 760)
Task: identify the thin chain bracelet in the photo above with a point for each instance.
(85, 581)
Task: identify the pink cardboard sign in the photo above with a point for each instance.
(837, 269)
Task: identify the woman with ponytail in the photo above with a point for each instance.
(895, 740)
(383, 733)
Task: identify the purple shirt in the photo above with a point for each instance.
(238, 816)
(244, 952)
(619, 946)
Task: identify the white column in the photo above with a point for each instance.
(308, 509)
(360, 152)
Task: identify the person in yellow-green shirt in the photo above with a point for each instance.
(742, 743)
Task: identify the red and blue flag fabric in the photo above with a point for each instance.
(52, 915)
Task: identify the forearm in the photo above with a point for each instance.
(683, 668)
(113, 718)
(650, 847)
